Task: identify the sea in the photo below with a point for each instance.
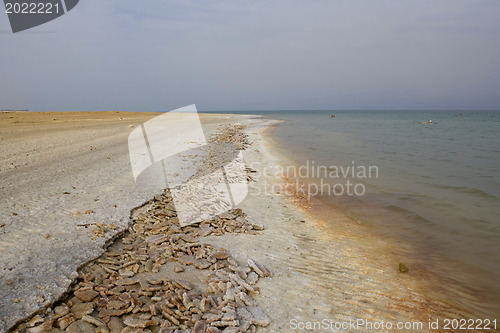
(434, 181)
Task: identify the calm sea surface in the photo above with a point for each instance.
(438, 184)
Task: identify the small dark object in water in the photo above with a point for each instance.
(403, 268)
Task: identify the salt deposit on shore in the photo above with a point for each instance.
(67, 192)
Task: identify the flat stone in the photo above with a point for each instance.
(138, 320)
(56, 330)
(40, 329)
(102, 329)
(80, 326)
(65, 321)
(200, 327)
(134, 330)
(93, 320)
(82, 309)
(115, 304)
(115, 325)
(60, 311)
(86, 295)
(221, 255)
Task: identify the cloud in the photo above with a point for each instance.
(229, 55)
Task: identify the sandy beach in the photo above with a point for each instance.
(249, 166)
(58, 171)
(67, 192)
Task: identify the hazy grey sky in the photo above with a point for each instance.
(242, 55)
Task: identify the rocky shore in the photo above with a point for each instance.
(76, 256)
(159, 277)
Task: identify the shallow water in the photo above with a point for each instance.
(437, 191)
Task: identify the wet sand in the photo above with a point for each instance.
(353, 271)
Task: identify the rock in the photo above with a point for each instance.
(115, 304)
(123, 288)
(254, 315)
(102, 329)
(199, 327)
(244, 325)
(212, 329)
(46, 327)
(60, 311)
(134, 330)
(112, 312)
(258, 227)
(403, 268)
(82, 309)
(166, 328)
(138, 320)
(220, 255)
(80, 326)
(127, 274)
(231, 330)
(65, 321)
(252, 278)
(73, 301)
(86, 294)
(258, 316)
(93, 320)
(187, 260)
(37, 319)
(115, 325)
(201, 264)
(258, 268)
(154, 328)
(98, 273)
(56, 330)
(127, 281)
(205, 231)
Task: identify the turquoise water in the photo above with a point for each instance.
(438, 184)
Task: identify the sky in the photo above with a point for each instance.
(225, 55)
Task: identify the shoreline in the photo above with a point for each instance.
(18, 289)
(316, 273)
(445, 295)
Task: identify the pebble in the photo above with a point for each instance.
(80, 326)
(112, 295)
(115, 325)
(86, 295)
(93, 320)
(82, 309)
